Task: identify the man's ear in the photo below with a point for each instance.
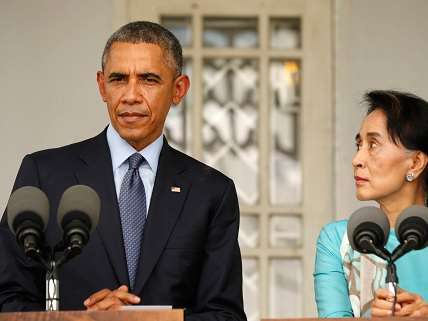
(181, 86)
(101, 85)
(420, 161)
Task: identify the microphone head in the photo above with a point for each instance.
(413, 221)
(368, 222)
(28, 203)
(79, 202)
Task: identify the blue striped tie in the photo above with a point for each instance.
(132, 204)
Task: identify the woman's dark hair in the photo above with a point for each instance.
(407, 118)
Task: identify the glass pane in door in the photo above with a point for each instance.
(230, 119)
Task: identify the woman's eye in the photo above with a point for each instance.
(372, 145)
(357, 146)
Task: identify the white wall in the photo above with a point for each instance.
(49, 54)
(380, 44)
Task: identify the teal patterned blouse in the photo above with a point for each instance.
(345, 280)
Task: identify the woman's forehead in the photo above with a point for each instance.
(374, 124)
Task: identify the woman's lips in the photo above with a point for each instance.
(360, 180)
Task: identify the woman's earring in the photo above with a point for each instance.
(410, 177)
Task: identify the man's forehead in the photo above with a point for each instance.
(127, 55)
(137, 50)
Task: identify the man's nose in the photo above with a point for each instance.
(132, 94)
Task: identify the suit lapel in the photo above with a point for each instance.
(169, 193)
(97, 172)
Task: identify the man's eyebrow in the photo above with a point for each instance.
(149, 74)
(115, 74)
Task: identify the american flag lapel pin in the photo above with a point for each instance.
(175, 189)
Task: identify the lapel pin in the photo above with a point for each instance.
(175, 189)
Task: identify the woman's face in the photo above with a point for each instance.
(380, 166)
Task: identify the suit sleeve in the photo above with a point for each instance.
(219, 293)
(331, 287)
(21, 279)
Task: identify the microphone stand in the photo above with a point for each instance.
(52, 279)
(391, 271)
(391, 279)
(52, 274)
(52, 287)
(52, 265)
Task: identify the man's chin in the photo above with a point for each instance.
(137, 138)
(131, 134)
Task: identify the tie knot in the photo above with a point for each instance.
(135, 160)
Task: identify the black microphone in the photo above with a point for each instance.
(411, 229)
(28, 216)
(368, 231)
(78, 214)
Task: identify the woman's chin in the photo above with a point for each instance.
(362, 197)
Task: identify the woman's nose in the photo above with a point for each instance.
(358, 160)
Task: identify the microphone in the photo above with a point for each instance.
(368, 231)
(78, 214)
(28, 216)
(411, 229)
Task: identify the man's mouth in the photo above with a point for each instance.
(131, 117)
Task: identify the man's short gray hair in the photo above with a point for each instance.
(148, 32)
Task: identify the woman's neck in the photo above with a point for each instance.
(393, 206)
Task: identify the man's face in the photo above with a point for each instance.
(139, 87)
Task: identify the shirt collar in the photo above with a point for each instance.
(120, 150)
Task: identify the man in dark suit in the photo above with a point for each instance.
(178, 215)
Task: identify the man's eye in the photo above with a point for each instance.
(372, 145)
(117, 79)
(150, 80)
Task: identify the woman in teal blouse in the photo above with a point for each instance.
(390, 167)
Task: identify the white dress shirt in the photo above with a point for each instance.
(120, 150)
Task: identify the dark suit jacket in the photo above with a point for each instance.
(190, 254)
